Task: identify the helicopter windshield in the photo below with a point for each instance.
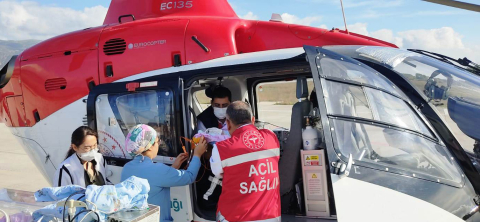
(454, 92)
(449, 88)
(376, 124)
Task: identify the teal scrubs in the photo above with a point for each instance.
(161, 177)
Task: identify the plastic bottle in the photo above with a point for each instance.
(310, 137)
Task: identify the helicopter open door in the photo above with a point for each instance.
(380, 148)
(114, 108)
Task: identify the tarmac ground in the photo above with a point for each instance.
(17, 171)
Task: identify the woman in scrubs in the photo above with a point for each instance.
(84, 165)
(142, 143)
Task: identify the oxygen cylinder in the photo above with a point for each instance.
(310, 137)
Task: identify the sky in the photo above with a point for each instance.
(406, 23)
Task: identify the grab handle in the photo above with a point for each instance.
(125, 16)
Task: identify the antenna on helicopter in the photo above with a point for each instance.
(276, 18)
(344, 20)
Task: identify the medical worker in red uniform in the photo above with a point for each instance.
(248, 162)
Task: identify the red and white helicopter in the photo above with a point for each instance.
(393, 135)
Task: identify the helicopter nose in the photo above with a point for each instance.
(6, 92)
(7, 71)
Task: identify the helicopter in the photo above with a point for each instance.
(391, 136)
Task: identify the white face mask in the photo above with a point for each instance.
(220, 113)
(88, 156)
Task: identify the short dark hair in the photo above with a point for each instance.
(221, 92)
(239, 113)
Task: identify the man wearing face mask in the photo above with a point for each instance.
(215, 115)
(208, 186)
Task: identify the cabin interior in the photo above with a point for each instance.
(280, 101)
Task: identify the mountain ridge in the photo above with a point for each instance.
(9, 48)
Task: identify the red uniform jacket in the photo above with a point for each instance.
(251, 183)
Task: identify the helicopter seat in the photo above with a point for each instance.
(290, 162)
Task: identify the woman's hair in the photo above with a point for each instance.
(78, 136)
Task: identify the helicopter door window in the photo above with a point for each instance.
(393, 110)
(395, 149)
(393, 138)
(354, 101)
(359, 73)
(347, 100)
(118, 113)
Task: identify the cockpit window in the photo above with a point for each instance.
(346, 100)
(354, 101)
(390, 109)
(356, 72)
(388, 148)
(373, 121)
(453, 91)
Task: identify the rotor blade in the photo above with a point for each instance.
(457, 4)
